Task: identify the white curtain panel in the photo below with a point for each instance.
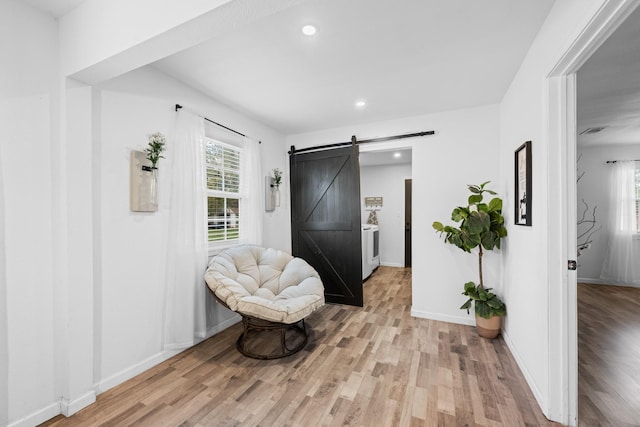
(622, 262)
(186, 260)
(252, 187)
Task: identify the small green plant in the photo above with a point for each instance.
(277, 177)
(481, 226)
(155, 148)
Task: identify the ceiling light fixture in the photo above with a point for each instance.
(309, 30)
(361, 103)
(397, 155)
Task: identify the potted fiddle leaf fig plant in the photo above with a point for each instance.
(481, 226)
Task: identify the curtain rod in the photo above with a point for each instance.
(616, 161)
(178, 107)
(354, 141)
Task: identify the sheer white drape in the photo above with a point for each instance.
(186, 259)
(252, 187)
(622, 262)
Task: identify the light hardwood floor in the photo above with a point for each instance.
(608, 356)
(370, 366)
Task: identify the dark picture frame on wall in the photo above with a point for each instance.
(523, 184)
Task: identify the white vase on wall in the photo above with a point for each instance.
(144, 184)
(276, 196)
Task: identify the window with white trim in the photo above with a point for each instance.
(223, 191)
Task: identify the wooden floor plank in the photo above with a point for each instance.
(369, 366)
(608, 355)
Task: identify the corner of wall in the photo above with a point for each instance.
(70, 407)
(525, 372)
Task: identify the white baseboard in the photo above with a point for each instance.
(38, 417)
(391, 264)
(606, 283)
(68, 408)
(461, 320)
(132, 371)
(138, 368)
(591, 281)
(222, 326)
(527, 375)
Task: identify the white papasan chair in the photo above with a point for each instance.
(271, 290)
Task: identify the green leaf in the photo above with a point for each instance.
(483, 310)
(469, 286)
(470, 240)
(466, 305)
(470, 290)
(495, 303)
(496, 218)
(483, 295)
(495, 204)
(477, 222)
(438, 226)
(475, 199)
(500, 311)
(489, 240)
(459, 214)
(475, 189)
(483, 184)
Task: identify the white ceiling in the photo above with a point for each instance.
(56, 8)
(405, 57)
(609, 88)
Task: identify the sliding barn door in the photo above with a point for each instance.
(325, 219)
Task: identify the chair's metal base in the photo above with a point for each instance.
(252, 324)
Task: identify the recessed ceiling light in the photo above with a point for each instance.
(309, 30)
(361, 103)
(397, 155)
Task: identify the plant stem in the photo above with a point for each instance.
(480, 265)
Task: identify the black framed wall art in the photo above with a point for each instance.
(523, 184)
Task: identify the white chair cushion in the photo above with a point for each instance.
(265, 283)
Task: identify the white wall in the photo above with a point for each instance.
(132, 245)
(28, 119)
(594, 189)
(4, 329)
(387, 181)
(4, 326)
(463, 151)
(81, 309)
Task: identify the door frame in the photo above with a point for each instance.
(390, 146)
(408, 195)
(562, 216)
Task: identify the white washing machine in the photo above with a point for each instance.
(370, 249)
(366, 238)
(374, 245)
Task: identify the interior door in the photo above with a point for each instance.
(407, 223)
(325, 219)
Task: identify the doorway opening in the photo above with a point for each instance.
(608, 93)
(562, 161)
(383, 175)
